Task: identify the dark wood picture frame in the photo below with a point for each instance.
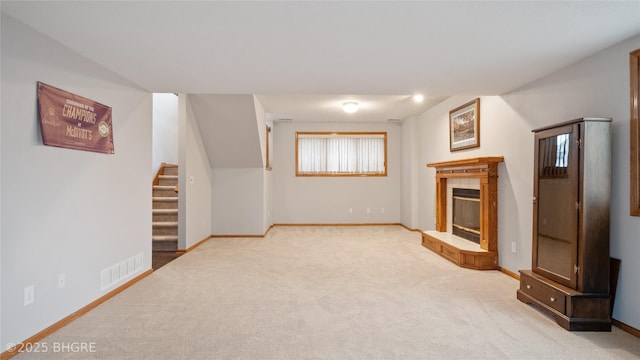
(464, 126)
(634, 62)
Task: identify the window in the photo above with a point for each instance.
(341, 154)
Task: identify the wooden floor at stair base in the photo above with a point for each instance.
(162, 258)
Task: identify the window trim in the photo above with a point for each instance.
(347, 133)
(634, 64)
(268, 166)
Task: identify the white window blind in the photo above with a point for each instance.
(353, 154)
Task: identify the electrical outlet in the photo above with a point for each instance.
(368, 210)
(382, 210)
(350, 210)
(61, 281)
(29, 295)
(513, 247)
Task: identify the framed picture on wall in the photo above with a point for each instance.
(464, 126)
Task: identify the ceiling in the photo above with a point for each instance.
(302, 57)
(324, 108)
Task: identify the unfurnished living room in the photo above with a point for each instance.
(320, 180)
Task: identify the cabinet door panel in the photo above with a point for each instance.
(556, 194)
(553, 255)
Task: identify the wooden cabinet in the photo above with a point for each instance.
(569, 278)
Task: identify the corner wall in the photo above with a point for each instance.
(165, 130)
(267, 181)
(327, 200)
(595, 87)
(411, 167)
(500, 135)
(66, 211)
(237, 199)
(242, 196)
(194, 178)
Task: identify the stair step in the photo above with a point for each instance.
(165, 211)
(171, 170)
(164, 228)
(164, 243)
(164, 238)
(169, 203)
(165, 198)
(164, 231)
(168, 180)
(164, 190)
(160, 215)
(164, 223)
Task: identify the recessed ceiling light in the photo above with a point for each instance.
(418, 98)
(350, 106)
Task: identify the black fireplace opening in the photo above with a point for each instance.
(466, 214)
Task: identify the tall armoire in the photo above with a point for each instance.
(569, 278)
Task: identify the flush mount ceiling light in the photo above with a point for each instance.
(350, 106)
(418, 98)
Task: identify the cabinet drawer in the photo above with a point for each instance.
(544, 293)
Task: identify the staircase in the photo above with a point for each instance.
(165, 210)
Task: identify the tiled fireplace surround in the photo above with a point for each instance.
(458, 183)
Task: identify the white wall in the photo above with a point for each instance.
(237, 201)
(261, 124)
(411, 167)
(165, 130)
(66, 211)
(500, 136)
(595, 87)
(327, 200)
(267, 181)
(194, 180)
(267, 194)
(242, 197)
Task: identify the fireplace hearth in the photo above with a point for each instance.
(466, 231)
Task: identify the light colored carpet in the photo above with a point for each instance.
(327, 293)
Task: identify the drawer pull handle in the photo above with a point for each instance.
(528, 286)
(552, 299)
